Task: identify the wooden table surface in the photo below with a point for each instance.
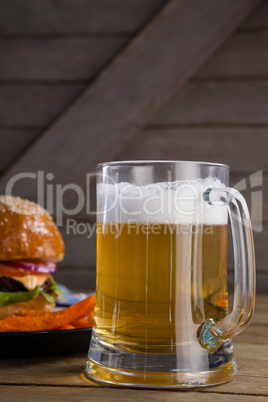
(59, 377)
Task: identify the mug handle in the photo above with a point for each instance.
(213, 334)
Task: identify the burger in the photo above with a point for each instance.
(30, 244)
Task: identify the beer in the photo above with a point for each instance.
(161, 316)
(161, 265)
(156, 283)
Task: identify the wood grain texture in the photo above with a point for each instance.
(243, 149)
(128, 94)
(255, 334)
(62, 59)
(58, 377)
(104, 394)
(244, 55)
(34, 105)
(65, 370)
(41, 17)
(13, 142)
(218, 103)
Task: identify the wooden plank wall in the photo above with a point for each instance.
(220, 116)
(131, 89)
(49, 52)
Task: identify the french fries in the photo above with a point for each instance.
(79, 315)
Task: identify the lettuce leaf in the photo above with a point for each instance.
(17, 297)
(49, 298)
(55, 288)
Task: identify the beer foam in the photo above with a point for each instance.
(179, 202)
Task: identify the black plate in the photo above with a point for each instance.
(44, 343)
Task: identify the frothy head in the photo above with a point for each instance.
(177, 202)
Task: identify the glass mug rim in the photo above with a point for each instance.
(155, 161)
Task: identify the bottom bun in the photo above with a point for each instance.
(37, 305)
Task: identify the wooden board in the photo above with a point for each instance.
(13, 142)
(78, 279)
(104, 394)
(35, 105)
(256, 334)
(80, 244)
(132, 74)
(243, 149)
(251, 360)
(244, 55)
(218, 103)
(261, 281)
(59, 376)
(259, 18)
(64, 59)
(260, 243)
(49, 17)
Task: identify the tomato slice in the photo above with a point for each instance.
(12, 271)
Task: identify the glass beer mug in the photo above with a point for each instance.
(162, 317)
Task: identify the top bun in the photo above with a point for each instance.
(27, 231)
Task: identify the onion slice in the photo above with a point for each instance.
(29, 266)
